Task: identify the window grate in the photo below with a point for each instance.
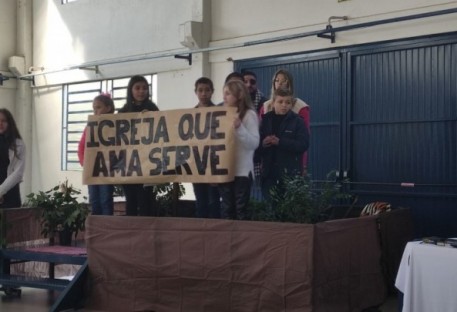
(77, 106)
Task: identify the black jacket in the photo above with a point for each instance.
(287, 156)
(133, 108)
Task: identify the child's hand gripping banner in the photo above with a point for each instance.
(187, 145)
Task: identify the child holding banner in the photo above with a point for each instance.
(138, 197)
(207, 199)
(284, 138)
(235, 195)
(100, 196)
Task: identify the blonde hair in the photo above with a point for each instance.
(289, 78)
(241, 92)
(282, 92)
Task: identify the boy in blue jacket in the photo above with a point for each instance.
(284, 138)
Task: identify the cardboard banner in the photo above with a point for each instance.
(186, 145)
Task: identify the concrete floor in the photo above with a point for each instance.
(31, 300)
(40, 300)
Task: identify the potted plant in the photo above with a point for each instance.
(300, 200)
(61, 213)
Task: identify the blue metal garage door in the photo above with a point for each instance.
(402, 126)
(384, 115)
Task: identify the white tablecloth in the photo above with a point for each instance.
(428, 278)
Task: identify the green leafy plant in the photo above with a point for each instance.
(60, 209)
(300, 200)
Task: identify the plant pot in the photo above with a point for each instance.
(65, 237)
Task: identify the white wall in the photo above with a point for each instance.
(7, 49)
(7, 32)
(91, 31)
(15, 95)
(95, 31)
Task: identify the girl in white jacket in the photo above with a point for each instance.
(235, 195)
(12, 161)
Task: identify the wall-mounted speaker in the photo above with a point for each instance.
(190, 34)
(16, 65)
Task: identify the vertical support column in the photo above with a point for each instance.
(24, 109)
(206, 36)
(199, 26)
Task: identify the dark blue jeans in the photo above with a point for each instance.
(139, 200)
(207, 201)
(256, 188)
(12, 198)
(267, 185)
(101, 199)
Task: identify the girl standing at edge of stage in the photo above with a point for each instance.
(12, 161)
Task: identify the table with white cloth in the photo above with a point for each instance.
(427, 277)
